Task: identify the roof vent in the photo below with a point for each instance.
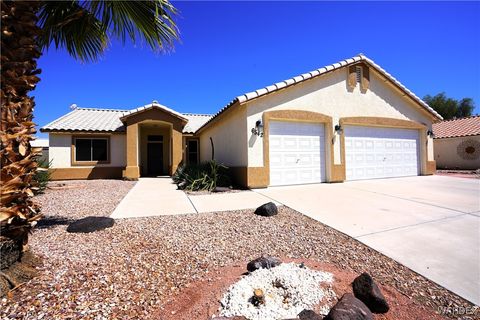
(155, 102)
(358, 71)
(73, 106)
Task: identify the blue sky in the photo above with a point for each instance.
(229, 48)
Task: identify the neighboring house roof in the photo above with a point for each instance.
(462, 127)
(315, 73)
(109, 120)
(39, 143)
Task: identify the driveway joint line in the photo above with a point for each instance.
(190, 200)
(410, 225)
(416, 201)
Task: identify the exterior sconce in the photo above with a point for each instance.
(258, 130)
(430, 134)
(338, 128)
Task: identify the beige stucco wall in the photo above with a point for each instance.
(60, 150)
(447, 156)
(329, 95)
(229, 138)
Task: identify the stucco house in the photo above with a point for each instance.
(347, 121)
(457, 143)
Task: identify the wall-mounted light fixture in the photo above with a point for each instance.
(338, 129)
(430, 134)
(258, 130)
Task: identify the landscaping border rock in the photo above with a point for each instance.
(365, 289)
(267, 210)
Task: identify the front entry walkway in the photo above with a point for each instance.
(159, 197)
(153, 197)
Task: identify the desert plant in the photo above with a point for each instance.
(84, 29)
(42, 176)
(204, 176)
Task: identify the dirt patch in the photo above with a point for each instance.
(19, 273)
(200, 299)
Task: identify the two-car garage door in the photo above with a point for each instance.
(297, 152)
(380, 152)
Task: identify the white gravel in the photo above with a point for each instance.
(288, 290)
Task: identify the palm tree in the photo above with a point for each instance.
(83, 28)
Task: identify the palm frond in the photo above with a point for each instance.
(84, 27)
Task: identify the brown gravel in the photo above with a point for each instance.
(130, 270)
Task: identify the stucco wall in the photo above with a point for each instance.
(329, 95)
(229, 138)
(448, 157)
(60, 150)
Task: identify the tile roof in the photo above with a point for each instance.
(151, 106)
(462, 127)
(109, 120)
(315, 73)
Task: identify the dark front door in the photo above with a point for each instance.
(155, 159)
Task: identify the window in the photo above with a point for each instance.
(91, 149)
(192, 151)
(155, 138)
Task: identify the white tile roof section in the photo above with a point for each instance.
(195, 121)
(87, 119)
(282, 84)
(108, 120)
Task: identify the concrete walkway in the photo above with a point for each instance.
(159, 196)
(429, 224)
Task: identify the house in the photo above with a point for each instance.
(40, 147)
(347, 121)
(457, 143)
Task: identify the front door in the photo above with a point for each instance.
(154, 158)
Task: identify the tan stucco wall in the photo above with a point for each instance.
(329, 95)
(61, 147)
(447, 157)
(229, 138)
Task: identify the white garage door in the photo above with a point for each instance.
(297, 153)
(380, 152)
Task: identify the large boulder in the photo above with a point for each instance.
(267, 210)
(90, 224)
(349, 308)
(10, 252)
(309, 315)
(264, 262)
(365, 289)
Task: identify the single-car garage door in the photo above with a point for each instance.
(381, 152)
(297, 153)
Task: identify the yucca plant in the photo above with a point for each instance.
(205, 176)
(83, 28)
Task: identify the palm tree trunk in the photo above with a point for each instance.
(19, 53)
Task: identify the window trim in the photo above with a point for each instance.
(74, 162)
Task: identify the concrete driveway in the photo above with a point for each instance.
(429, 224)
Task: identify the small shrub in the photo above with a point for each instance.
(204, 176)
(42, 176)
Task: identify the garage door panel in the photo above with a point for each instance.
(297, 153)
(380, 152)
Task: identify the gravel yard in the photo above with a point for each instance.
(130, 270)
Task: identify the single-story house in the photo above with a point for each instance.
(347, 121)
(457, 143)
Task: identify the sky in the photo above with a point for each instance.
(230, 48)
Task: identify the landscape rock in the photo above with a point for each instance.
(264, 262)
(267, 210)
(10, 252)
(366, 290)
(309, 315)
(230, 318)
(349, 308)
(221, 189)
(90, 224)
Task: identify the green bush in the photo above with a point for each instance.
(204, 176)
(42, 176)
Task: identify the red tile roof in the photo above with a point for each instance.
(457, 127)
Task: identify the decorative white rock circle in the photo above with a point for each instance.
(288, 289)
